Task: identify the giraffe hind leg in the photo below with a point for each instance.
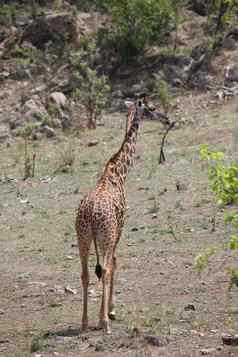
(112, 312)
(84, 248)
(104, 312)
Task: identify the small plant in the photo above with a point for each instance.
(19, 354)
(224, 179)
(162, 92)
(66, 158)
(92, 90)
(156, 207)
(137, 24)
(36, 344)
(29, 160)
(202, 259)
(224, 183)
(7, 14)
(57, 5)
(92, 94)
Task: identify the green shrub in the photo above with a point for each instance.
(224, 179)
(138, 23)
(162, 91)
(92, 90)
(224, 183)
(7, 14)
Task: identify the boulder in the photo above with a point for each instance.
(231, 73)
(59, 99)
(4, 133)
(49, 132)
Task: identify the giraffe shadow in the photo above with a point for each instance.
(70, 332)
(67, 332)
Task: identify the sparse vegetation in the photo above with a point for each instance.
(93, 89)
(175, 211)
(162, 92)
(137, 24)
(7, 14)
(66, 158)
(224, 183)
(36, 344)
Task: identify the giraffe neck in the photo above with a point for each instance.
(118, 166)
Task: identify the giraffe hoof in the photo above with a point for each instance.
(112, 315)
(84, 328)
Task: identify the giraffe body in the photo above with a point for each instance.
(100, 219)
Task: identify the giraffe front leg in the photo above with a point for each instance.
(112, 312)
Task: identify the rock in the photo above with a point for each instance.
(177, 69)
(200, 80)
(156, 340)
(117, 94)
(49, 132)
(69, 290)
(36, 135)
(229, 43)
(56, 123)
(92, 143)
(32, 110)
(200, 7)
(91, 292)
(190, 307)
(116, 105)
(43, 29)
(231, 73)
(65, 121)
(59, 99)
(4, 133)
(207, 351)
(231, 340)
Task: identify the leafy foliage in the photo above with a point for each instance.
(138, 23)
(224, 183)
(162, 91)
(202, 259)
(224, 180)
(93, 88)
(224, 11)
(7, 14)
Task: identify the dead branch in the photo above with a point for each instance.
(162, 156)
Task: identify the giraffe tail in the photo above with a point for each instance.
(98, 271)
(98, 268)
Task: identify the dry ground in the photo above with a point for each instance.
(158, 288)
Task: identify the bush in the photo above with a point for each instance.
(162, 91)
(92, 89)
(224, 179)
(138, 23)
(7, 14)
(224, 183)
(92, 94)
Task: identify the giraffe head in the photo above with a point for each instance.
(140, 107)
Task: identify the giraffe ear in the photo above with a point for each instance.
(129, 104)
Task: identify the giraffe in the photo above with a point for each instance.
(100, 218)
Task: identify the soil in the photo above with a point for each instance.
(158, 288)
(165, 307)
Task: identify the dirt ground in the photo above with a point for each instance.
(169, 222)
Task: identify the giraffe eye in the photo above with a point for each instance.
(140, 103)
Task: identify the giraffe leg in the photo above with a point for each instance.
(112, 313)
(104, 312)
(85, 283)
(84, 248)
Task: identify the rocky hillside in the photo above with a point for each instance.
(44, 50)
